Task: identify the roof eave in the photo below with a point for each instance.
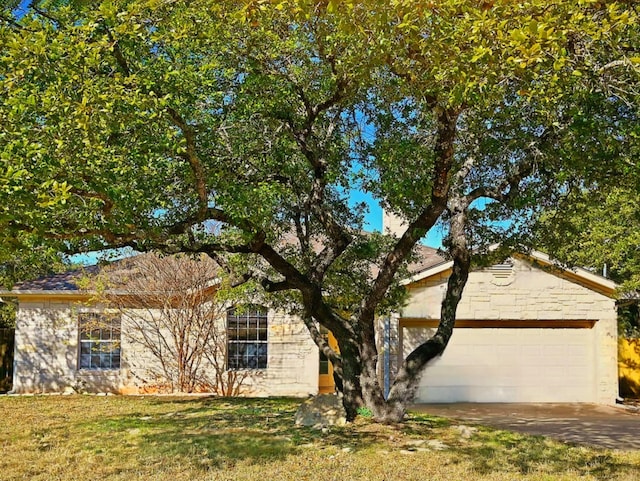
(606, 285)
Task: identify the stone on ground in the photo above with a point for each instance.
(321, 411)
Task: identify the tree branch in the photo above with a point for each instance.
(444, 150)
(191, 156)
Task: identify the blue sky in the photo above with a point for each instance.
(22, 7)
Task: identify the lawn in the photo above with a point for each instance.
(84, 437)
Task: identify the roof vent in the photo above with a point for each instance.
(502, 274)
(502, 270)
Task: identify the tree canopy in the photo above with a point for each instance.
(242, 128)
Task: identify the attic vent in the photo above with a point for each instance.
(502, 271)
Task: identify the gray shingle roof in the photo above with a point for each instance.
(66, 281)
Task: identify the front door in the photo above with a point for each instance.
(325, 374)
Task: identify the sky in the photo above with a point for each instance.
(22, 7)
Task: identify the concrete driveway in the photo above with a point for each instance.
(603, 426)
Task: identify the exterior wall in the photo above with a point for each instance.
(46, 351)
(393, 224)
(46, 357)
(530, 292)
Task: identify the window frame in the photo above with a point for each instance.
(240, 335)
(104, 321)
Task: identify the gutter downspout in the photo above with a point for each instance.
(387, 357)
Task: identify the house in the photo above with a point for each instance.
(64, 342)
(527, 331)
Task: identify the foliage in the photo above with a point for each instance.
(169, 306)
(629, 320)
(7, 315)
(365, 412)
(599, 229)
(22, 258)
(143, 123)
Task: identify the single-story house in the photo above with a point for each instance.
(527, 331)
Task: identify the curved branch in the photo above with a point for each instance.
(444, 150)
(191, 156)
(406, 382)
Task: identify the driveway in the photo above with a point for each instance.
(603, 426)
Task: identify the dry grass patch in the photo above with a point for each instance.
(174, 438)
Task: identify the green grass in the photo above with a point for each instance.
(173, 438)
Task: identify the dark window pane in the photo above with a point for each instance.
(245, 331)
(95, 361)
(243, 334)
(85, 361)
(252, 334)
(324, 367)
(99, 346)
(105, 361)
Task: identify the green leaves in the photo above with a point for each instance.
(129, 122)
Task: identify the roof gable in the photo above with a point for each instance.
(540, 259)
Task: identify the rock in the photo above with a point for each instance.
(437, 445)
(321, 411)
(466, 431)
(415, 442)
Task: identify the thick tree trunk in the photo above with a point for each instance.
(351, 376)
(404, 387)
(361, 386)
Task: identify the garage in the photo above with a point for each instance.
(485, 364)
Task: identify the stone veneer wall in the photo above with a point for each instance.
(46, 356)
(529, 292)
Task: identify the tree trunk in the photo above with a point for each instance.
(352, 398)
(404, 388)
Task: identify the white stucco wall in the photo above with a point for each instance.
(46, 356)
(528, 293)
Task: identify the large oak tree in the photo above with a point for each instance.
(141, 123)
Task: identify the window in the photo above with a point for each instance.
(99, 341)
(324, 360)
(247, 338)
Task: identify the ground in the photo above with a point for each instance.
(168, 438)
(614, 427)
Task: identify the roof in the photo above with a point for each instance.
(67, 283)
(428, 257)
(63, 282)
(428, 263)
(578, 274)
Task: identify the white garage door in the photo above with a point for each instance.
(509, 365)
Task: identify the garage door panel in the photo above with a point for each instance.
(510, 365)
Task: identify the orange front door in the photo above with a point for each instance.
(325, 374)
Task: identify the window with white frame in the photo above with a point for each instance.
(99, 341)
(247, 338)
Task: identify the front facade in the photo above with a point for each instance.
(526, 332)
(59, 349)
